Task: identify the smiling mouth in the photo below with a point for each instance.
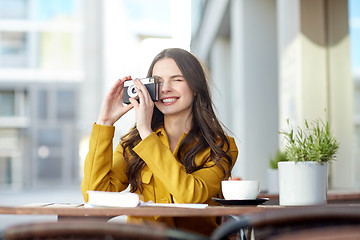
(169, 100)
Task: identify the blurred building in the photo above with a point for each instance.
(40, 72)
(58, 58)
(283, 59)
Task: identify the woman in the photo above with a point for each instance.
(176, 153)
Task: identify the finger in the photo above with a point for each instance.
(127, 108)
(134, 103)
(139, 85)
(126, 78)
(142, 92)
(118, 86)
(115, 87)
(143, 96)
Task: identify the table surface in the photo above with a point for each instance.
(78, 210)
(142, 211)
(81, 211)
(332, 195)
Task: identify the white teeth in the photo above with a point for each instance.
(167, 100)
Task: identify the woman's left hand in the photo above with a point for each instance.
(143, 109)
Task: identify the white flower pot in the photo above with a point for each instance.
(273, 181)
(302, 183)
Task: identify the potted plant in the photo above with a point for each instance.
(272, 171)
(303, 179)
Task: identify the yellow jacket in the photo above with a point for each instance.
(164, 177)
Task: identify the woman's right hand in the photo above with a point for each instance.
(113, 108)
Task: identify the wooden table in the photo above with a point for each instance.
(64, 211)
(69, 212)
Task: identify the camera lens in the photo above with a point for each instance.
(132, 91)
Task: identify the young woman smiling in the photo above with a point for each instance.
(177, 152)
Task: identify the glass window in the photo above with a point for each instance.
(144, 13)
(144, 10)
(354, 29)
(53, 10)
(196, 15)
(13, 49)
(49, 153)
(42, 104)
(355, 44)
(65, 103)
(63, 56)
(7, 103)
(354, 15)
(5, 170)
(50, 137)
(50, 168)
(13, 9)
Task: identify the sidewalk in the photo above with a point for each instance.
(68, 194)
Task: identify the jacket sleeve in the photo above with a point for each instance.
(196, 187)
(103, 169)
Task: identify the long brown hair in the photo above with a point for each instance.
(206, 130)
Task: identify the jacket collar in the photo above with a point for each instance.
(161, 133)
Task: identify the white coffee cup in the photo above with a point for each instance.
(240, 189)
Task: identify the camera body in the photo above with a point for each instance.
(151, 84)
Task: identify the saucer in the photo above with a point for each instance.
(253, 202)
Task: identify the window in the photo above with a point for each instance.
(13, 103)
(42, 103)
(7, 103)
(13, 49)
(65, 104)
(354, 29)
(63, 56)
(49, 152)
(52, 10)
(13, 9)
(5, 170)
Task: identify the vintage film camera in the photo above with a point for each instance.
(151, 84)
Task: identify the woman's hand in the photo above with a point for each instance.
(113, 108)
(144, 109)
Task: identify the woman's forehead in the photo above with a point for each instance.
(166, 67)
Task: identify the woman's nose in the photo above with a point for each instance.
(165, 86)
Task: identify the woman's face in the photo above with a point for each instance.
(176, 97)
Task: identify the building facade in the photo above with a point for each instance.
(40, 74)
(58, 59)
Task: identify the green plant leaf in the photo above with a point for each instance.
(313, 143)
